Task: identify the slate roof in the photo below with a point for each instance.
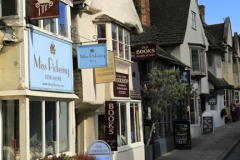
(216, 31)
(219, 83)
(134, 95)
(212, 43)
(170, 18)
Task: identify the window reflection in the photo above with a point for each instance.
(63, 127)
(62, 20)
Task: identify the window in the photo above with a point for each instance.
(193, 19)
(237, 97)
(224, 97)
(10, 127)
(195, 60)
(135, 123)
(57, 26)
(122, 125)
(194, 110)
(229, 56)
(219, 62)
(46, 135)
(210, 61)
(235, 68)
(8, 7)
(223, 57)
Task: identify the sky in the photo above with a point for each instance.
(217, 10)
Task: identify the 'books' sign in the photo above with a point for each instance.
(145, 51)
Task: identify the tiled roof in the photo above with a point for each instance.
(216, 31)
(106, 18)
(212, 43)
(218, 82)
(170, 18)
(134, 95)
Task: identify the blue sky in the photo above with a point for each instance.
(217, 10)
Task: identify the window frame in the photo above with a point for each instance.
(40, 26)
(109, 40)
(201, 57)
(195, 112)
(57, 105)
(193, 20)
(129, 145)
(191, 49)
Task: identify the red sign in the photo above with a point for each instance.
(44, 9)
(145, 51)
(121, 86)
(111, 122)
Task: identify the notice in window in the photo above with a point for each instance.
(121, 86)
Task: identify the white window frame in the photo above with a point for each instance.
(1, 8)
(129, 144)
(196, 112)
(193, 20)
(237, 97)
(70, 126)
(109, 40)
(56, 34)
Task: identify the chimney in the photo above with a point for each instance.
(143, 10)
(202, 13)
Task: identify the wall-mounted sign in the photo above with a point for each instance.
(44, 9)
(121, 86)
(111, 122)
(50, 63)
(145, 51)
(185, 77)
(92, 56)
(106, 74)
(182, 134)
(99, 149)
(212, 100)
(69, 2)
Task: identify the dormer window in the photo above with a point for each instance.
(193, 19)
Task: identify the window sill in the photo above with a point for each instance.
(49, 33)
(9, 17)
(129, 147)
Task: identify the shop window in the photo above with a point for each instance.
(237, 97)
(8, 7)
(134, 123)
(193, 110)
(10, 124)
(57, 26)
(44, 117)
(122, 125)
(101, 127)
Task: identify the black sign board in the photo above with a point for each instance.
(111, 124)
(185, 77)
(207, 124)
(182, 133)
(145, 51)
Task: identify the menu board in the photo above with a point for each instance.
(182, 132)
(207, 124)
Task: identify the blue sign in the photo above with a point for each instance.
(50, 63)
(92, 56)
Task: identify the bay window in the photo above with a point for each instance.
(46, 135)
(120, 39)
(197, 58)
(58, 26)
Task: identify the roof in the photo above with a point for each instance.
(216, 31)
(212, 43)
(105, 18)
(134, 95)
(170, 18)
(219, 83)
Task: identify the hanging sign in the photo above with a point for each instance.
(50, 63)
(100, 150)
(185, 77)
(92, 56)
(106, 74)
(145, 51)
(121, 86)
(44, 9)
(111, 124)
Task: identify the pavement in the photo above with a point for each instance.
(209, 146)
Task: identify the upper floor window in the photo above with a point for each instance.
(198, 63)
(8, 7)
(195, 60)
(193, 19)
(235, 68)
(120, 39)
(59, 26)
(210, 61)
(229, 56)
(223, 57)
